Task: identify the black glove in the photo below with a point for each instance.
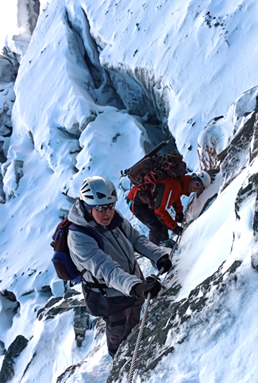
(180, 217)
(165, 263)
(152, 286)
(178, 230)
(138, 290)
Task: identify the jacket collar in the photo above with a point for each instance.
(116, 221)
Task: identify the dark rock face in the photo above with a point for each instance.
(167, 317)
(254, 262)
(58, 305)
(254, 142)
(245, 192)
(235, 157)
(9, 295)
(8, 66)
(9, 302)
(15, 349)
(81, 324)
(2, 348)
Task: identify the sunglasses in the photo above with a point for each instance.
(103, 208)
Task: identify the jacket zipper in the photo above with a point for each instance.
(129, 263)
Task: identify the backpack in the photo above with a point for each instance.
(64, 266)
(152, 169)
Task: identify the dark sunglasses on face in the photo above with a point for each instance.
(199, 185)
(103, 208)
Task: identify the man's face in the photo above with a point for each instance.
(195, 186)
(104, 217)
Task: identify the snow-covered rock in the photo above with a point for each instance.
(98, 85)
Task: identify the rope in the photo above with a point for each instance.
(174, 248)
(132, 368)
(137, 345)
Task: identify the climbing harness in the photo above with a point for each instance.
(132, 368)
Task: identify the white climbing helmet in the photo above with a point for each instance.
(98, 191)
(204, 177)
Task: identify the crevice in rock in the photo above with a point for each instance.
(28, 365)
(136, 92)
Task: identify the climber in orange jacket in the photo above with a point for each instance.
(166, 194)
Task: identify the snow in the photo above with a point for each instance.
(224, 349)
(200, 241)
(68, 125)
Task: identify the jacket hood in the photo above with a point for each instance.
(81, 217)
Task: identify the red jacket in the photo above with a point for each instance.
(166, 192)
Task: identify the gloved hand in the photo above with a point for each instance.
(180, 217)
(152, 286)
(137, 291)
(178, 230)
(165, 263)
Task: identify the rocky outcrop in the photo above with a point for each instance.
(8, 72)
(231, 141)
(245, 192)
(138, 91)
(235, 157)
(170, 322)
(27, 16)
(58, 305)
(99, 326)
(15, 349)
(28, 12)
(242, 148)
(209, 144)
(175, 321)
(2, 348)
(9, 302)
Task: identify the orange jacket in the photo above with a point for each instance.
(166, 193)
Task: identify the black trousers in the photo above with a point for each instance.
(119, 326)
(158, 231)
(120, 313)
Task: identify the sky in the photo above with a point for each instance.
(68, 123)
(8, 11)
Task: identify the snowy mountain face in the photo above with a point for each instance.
(87, 88)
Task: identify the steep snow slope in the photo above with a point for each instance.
(99, 84)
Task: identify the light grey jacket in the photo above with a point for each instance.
(115, 265)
